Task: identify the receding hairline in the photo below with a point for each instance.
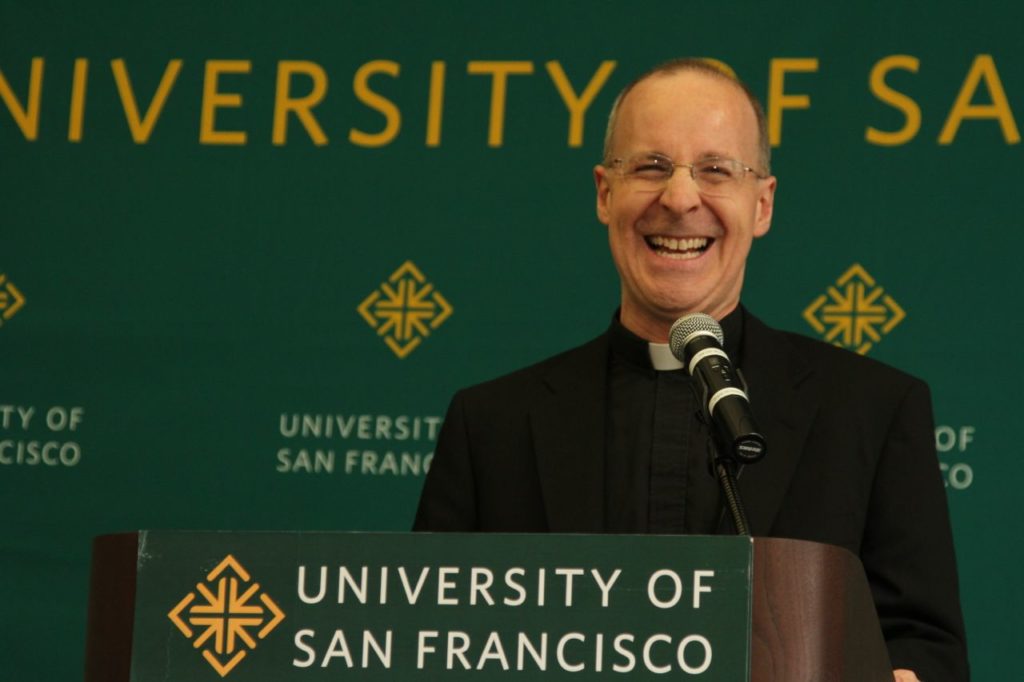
(707, 67)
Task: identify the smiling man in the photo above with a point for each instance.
(680, 239)
(607, 437)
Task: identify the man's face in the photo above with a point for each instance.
(679, 251)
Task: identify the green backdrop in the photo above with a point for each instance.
(249, 250)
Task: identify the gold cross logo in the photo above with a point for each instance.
(11, 300)
(855, 312)
(405, 309)
(222, 615)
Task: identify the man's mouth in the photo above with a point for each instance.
(680, 249)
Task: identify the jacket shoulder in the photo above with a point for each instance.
(827, 362)
(543, 377)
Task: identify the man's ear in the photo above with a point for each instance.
(765, 206)
(603, 192)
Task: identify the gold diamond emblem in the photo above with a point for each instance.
(225, 615)
(11, 300)
(405, 309)
(855, 312)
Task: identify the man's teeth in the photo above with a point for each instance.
(678, 248)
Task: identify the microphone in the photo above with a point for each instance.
(696, 340)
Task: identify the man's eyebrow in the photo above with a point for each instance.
(650, 152)
(712, 153)
(707, 154)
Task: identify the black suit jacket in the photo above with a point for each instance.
(851, 462)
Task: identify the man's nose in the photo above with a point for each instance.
(681, 193)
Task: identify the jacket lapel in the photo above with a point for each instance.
(784, 400)
(568, 427)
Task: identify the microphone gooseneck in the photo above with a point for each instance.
(697, 341)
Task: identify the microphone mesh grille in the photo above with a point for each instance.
(687, 325)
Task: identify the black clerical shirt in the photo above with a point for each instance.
(658, 475)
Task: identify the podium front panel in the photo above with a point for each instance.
(386, 606)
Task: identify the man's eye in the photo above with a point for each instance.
(716, 171)
(652, 168)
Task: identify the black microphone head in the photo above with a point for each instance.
(689, 326)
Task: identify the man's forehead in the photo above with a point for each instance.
(686, 95)
(683, 86)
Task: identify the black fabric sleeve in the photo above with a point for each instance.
(908, 549)
(448, 499)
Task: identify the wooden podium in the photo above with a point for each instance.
(811, 616)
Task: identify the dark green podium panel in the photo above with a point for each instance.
(377, 606)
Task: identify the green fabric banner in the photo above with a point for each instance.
(249, 250)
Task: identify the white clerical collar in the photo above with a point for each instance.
(662, 358)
